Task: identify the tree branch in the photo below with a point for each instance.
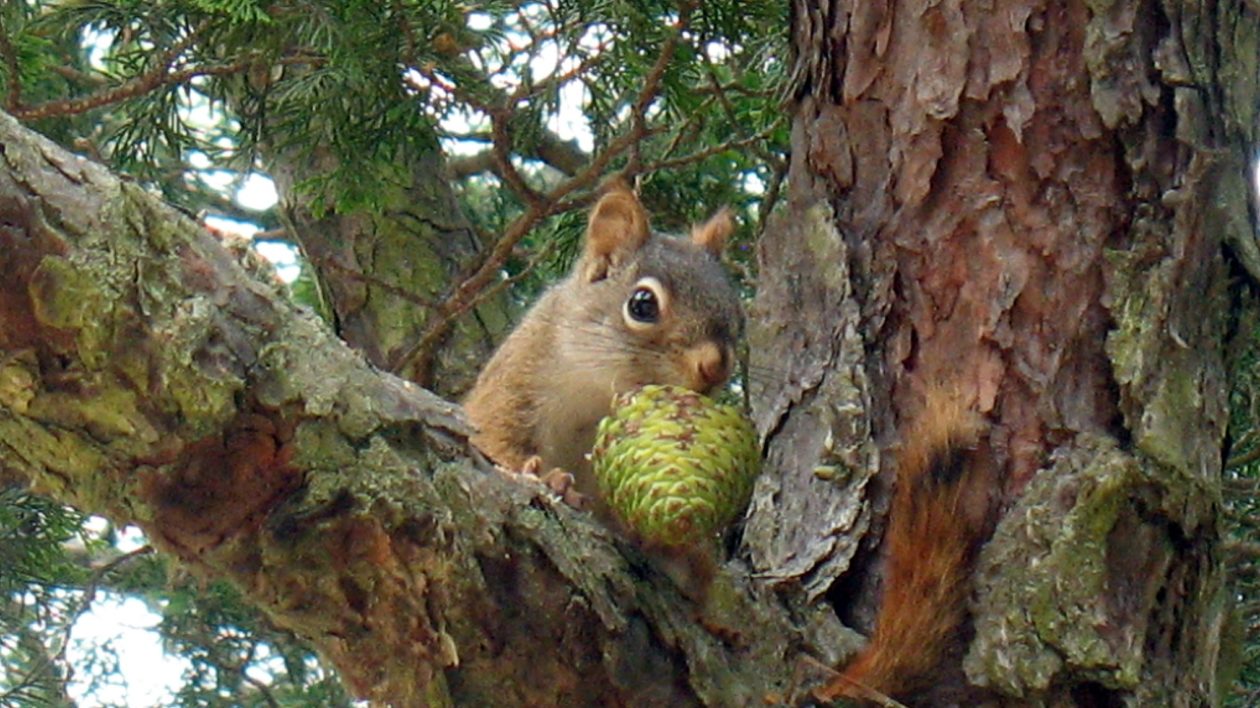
(562, 155)
(78, 608)
(135, 87)
(1244, 458)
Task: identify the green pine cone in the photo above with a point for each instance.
(675, 466)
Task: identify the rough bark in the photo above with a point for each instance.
(1026, 202)
(145, 375)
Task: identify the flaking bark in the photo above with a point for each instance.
(1026, 202)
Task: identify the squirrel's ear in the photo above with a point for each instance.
(617, 228)
(712, 234)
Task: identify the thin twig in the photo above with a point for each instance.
(159, 75)
(689, 129)
(728, 108)
(867, 694)
(638, 116)
(710, 152)
(262, 687)
(527, 90)
(778, 166)
(1244, 485)
(418, 360)
(70, 73)
(501, 151)
(1245, 458)
(1246, 549)
(130, 89)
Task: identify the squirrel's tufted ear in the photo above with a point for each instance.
(618, 227)
(712, 234)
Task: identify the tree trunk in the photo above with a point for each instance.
(1025, 203)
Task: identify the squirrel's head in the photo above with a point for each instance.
(663, 309)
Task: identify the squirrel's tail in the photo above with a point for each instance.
(937, 522)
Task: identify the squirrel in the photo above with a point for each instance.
(939, 518)
(637, 308)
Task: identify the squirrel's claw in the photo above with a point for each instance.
(557, 480)
(561, 482)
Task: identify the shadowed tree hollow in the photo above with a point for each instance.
(1042, 208)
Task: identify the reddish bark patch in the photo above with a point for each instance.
(24, 240)
(222, 485)
(381, 592)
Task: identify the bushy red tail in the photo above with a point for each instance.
(934, 531)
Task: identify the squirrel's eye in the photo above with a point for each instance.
(643, 306)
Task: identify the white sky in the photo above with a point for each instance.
(151, 674)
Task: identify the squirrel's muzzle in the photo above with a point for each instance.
(708, 366)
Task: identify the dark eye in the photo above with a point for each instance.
(643, 306)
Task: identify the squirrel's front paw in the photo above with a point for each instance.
(557, 480)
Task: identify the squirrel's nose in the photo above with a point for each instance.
(711, 365)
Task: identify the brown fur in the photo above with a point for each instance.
(932, 537)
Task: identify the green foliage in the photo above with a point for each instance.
(32, 530)
(358, 89)
(1242, 506)
(35, 573)
(237, 11)
(305, 290)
